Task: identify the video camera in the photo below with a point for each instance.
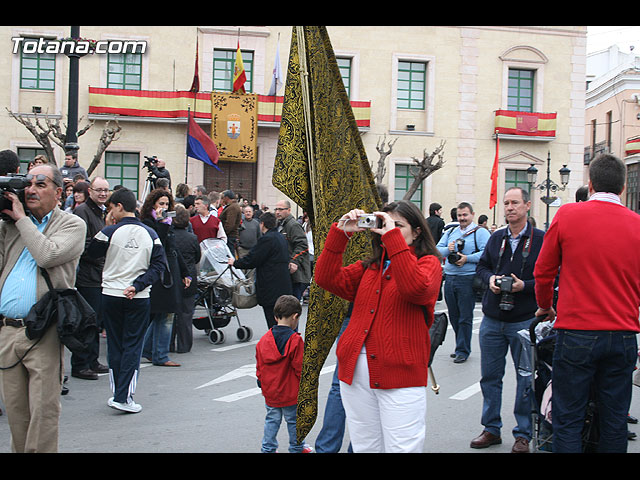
(506, 296)
(453, 257)
(150, 162)
(14, 183)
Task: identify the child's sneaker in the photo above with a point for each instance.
(307, 448)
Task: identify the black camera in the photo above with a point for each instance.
(455, 256)
(14, 183)
(150, 162)
(506, 296)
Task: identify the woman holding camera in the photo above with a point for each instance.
(166, 293)
(384, 352)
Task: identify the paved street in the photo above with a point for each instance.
(212, 404)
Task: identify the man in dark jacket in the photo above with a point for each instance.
(270, 258)
(509, 305)
(299, 259)
(435, 221)
(89, 279)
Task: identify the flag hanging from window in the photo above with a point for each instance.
(200, 146)
(195, 85)
(322, 166)
(493, 196)
(239, 75)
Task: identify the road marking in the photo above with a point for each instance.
(246, 371)
(467, 392)
(234, 346)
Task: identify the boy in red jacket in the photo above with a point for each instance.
(278, 366)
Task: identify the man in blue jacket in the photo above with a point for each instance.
(462, 247)
(509, 305)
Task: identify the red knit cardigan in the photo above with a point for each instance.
(387, 316)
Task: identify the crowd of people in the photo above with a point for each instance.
(138, 265)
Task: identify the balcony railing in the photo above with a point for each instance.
(175, 105)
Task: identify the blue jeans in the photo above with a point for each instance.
(604, 360)
(272, 424)
(126, 322)
(158, 338)
(461, 300)
(329, 440)
(496, 338)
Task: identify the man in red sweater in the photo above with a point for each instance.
(594, 246)
(204, 223)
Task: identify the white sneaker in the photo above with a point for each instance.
(129, 407)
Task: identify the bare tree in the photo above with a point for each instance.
(46, 130)
(382, 161)
(425, 167)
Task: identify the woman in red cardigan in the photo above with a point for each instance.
(384, 352)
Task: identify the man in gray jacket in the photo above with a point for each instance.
(31, 377)
(299, 260)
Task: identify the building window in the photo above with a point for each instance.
(124, 71)
(633, 187)
(37, 71)
(224, 62)
(516, 178)
(412, 81)
(122, 168)
(344, 65)
(520, 94)
(26, 155)
(403, 179)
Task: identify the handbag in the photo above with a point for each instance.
(74, 318)
(243, 292)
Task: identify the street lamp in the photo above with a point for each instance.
(548, 185)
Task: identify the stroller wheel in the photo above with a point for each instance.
(216, 336)
(244, 334)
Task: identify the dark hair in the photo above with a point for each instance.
(124, 197)
(482, 219)
(464, 205)
(269, 220)
(422, 245)
(286, 306)
(82, 187)
(9, 162)
(150, 201)
(607, 174)
(181, 219)
(229, 194)
(188, 201)
(582, 194)
(434, 207)
(454, 214)
(383, 192)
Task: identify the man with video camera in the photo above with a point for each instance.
(157, 167)
(509, 305)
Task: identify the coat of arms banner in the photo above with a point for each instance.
(234, 125)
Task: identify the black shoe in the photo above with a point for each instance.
(85, 374)
(631, 435)
(99, 368)
(459, 359)
(631, 419)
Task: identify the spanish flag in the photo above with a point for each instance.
(322, 166)
(239, 75)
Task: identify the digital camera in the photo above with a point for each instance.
(506, 296)
(369, 220)
(149, 162)
(453, 257)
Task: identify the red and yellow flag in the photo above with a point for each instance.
(493, 196)
(239, 75)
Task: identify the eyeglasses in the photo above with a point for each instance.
(100, 190)
(41, 179)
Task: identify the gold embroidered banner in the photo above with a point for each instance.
(234, 125)
(336, 178)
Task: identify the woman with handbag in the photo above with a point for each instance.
(166, 293)
(383, 353)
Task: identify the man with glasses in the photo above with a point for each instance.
(89, 279)
(46, 237)
(299, 260)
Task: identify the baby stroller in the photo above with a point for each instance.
(218, 287)
(536, 361)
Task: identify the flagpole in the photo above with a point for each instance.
(186, 152)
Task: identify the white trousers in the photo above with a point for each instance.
(383, 421)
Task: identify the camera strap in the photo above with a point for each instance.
(526, 249)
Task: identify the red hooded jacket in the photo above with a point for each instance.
(279, 373)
